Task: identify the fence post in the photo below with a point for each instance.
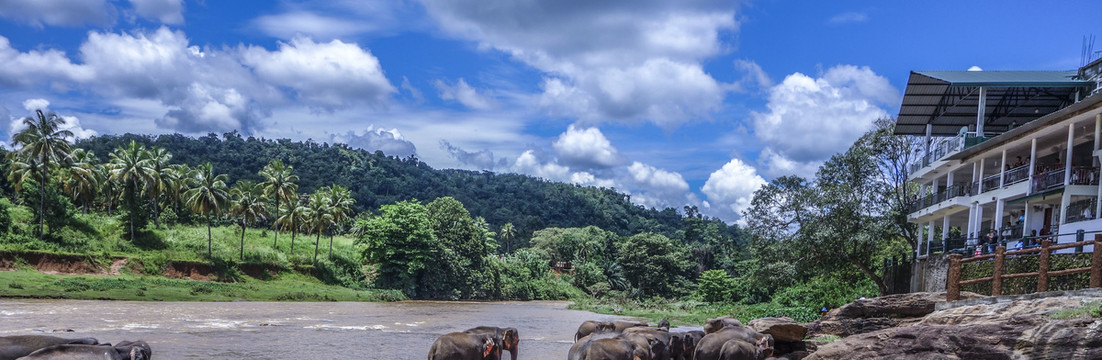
(1079, 237)
(952, 291)
(1042, 271)
(1096, 262)
(997, 272)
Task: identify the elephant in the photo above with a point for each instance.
(677, 346)
(505, 339)
(590, 326)
(618, 348)
(690, 339)
(659, 351)
(711, 345)
(603, 330)
(713, 325)
(125, 350)
(13, 347)
(736, 349)
(463, 346)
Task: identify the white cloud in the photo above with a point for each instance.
(777, 165)
(326, 75)
(755, 76)
(414, 93)
(529, 163)
(165, 11)
(586, 148)
(390, 142)
(849, 18)
(71, 123)
(305, 23)
(657, 179)
(483, 159)
(58, 12)
(810, 119)
(622, 61)
(464, 94)
(36, 104)
(731, 188)
(24, 69)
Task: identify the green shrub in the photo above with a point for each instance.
(825, 291)
(714, 286)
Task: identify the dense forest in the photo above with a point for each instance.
(451, 234)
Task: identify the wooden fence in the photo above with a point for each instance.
(1042, 274)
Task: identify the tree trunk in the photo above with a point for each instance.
(275, 225)
(317, 243)
(208, 237)
(330, 246)
(872, 275)
(293, 232)
(156, 214)
(242, 239)
(42, 207)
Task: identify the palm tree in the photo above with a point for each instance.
(293, 218)
(162, 180)
(249, 203)
(185, 180)
(340, 204)
(279, 183)
(83, 184)
(208, 197)
(42, 142)
(318, 217)
(132, 167)
(507, 234)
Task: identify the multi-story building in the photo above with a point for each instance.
(1009, 155)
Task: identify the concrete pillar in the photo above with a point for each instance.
(1067, 155)
(1028, 216)
(929, 236)
(1065, 199)
(929, 139)
(979, 176)
(981, 111)
(1097, 130)
(979, 217)
(1002, 170)
(1032, 163)
(1000, 206)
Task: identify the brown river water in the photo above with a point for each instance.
(285, 330)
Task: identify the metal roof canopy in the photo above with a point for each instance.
(949, 100)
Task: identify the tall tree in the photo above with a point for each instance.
(293, 218)
(163, 178)
(508, 232)
(279, 184)
(340, 205)
(318, 217)
(83, 184)
(44, 144)
(132, 167)
(248, 203)
(400, 241)
(208, 197)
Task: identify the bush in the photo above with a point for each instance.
(825, 291)
(714, 286)
(168, 217)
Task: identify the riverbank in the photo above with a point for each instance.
(694, 313)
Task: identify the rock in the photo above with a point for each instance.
(782, 328)
(863, 316)
(847, 327)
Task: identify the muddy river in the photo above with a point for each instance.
(262, 330)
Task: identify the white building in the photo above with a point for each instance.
(1016, 153)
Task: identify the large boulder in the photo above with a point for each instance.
(868, 315)
(782, 328)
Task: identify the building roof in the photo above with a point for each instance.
(949, 100)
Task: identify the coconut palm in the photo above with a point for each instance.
(185, 180)
(161, 182)
(318, 217)
(131, 166)
(248, 203)
(508, 232)
(44, 144)
(83, 184)
(340, 204)
(279, 184)
(293, 218)
(209, 196)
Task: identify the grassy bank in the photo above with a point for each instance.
(692, 312)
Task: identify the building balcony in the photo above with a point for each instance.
(946, 147)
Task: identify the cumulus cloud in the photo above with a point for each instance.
(23, 69)
(754, 76)
(464, 94)
(58, 12)
(586, 148)
(810, 119)
(165, 11)
(36, 104)
(730, 189)
(483, 159)
(625, 61)
(299, 23)
(390, 142)
(325, 75)
(529, 163)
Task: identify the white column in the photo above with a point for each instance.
(1097, 130)
(944, 228)
(1067, 155)
(981, 111)
(980, 176)
(1027, 213)
(968, 233)
(1002, 170)
(930, 236)
(929, 139)
(1000, 205)
(1032, 163)
(1064, 201)
(979, 217)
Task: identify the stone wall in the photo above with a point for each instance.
(929, 274)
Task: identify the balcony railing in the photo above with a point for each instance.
(945, 194)
(1083, 175)
(1048, 180)
(1017, 175)
(990, 183)
(1081, 210)
(945, 148)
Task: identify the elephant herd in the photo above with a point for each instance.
(723, 338)
(42, 347)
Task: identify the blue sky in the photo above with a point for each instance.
(676, 103)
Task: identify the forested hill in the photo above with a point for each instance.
(376, 179)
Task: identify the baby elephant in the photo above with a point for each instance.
(463, 346)
(14, 347)
(125, 350)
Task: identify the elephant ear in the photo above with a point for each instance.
(489, 346)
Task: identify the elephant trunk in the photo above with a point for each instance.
(513, 352)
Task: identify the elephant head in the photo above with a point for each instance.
(135, 350)
(487, 347)
(716, 324)
(505, 339)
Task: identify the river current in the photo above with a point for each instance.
(285, 330)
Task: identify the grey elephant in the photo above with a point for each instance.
(602, 330)
(590, 326)
(13, 347)
(736, 349)
(125, 350)
(660, 348)
(463, 346)
(505, 339)
(711, 345)
(617, 348)
(715, 324)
